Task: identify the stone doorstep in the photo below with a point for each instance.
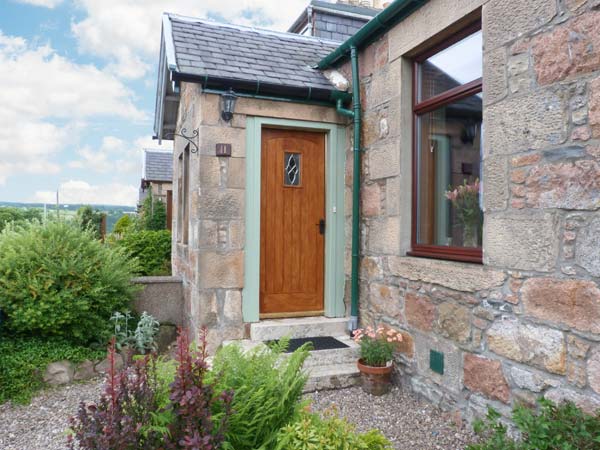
(327, 369)
(268, 330)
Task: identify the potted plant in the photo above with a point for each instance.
(375, 364)
(465, 199)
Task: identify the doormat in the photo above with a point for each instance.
(319, 343)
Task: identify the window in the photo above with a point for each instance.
(183, 196)
(447, 217)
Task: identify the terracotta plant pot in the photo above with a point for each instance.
(375, 380)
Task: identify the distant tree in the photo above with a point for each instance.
(90, 218)
(18, 215)
(153, 215)
(124, 224)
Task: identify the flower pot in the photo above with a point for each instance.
(375, 380)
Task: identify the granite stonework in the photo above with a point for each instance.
(211, 264)
(523, 324)
(526, 323)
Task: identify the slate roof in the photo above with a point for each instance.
(256, 56)
(346, 8)
(158, 165)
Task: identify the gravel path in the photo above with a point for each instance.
(42, 424)
(409, 423)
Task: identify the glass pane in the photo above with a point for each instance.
(454, 66)
(448, 151)
(291, 169)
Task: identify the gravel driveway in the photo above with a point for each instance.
(42, 424)
(410, 423)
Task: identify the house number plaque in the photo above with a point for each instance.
(223, 150)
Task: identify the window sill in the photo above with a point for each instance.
(474, 256)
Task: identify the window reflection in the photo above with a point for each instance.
(448, 152)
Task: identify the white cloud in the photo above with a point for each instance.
(127, 32)
(77, 191)
(45, 99)
(116, 156)
(45, 3)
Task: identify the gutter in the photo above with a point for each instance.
(397, 11)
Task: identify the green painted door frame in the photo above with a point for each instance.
(335, 157)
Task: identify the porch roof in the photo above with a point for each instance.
(158, 165)
(247, 59)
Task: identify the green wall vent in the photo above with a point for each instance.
(436, 361)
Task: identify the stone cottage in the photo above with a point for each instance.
(438, 172)
(157, 179)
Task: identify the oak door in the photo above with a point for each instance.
(292, 223)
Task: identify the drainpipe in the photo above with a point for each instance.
(355, 114)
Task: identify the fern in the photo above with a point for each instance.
(267, 389)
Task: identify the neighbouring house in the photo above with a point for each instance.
(157, 179)
(335, 21)
(438, 172)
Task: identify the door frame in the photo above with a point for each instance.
(335, 158)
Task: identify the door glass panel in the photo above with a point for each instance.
(291, 169)
(448, 150)
(457, 65)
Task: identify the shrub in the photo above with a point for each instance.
(124, 225)
(18, 215)
(90, 218)
(152, 250)
(267, 388)
(134, 412)
(58, 280)
(554, 427)
(153, 215)
(330, 433)
(24, 360)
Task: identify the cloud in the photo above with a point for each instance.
(126, 33)
(77, 191)
(45, 3)
(45, 102)
(116, 156)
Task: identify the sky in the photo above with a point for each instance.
(77, 90)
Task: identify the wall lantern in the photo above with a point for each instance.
(228, 105)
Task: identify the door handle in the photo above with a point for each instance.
(321, 225)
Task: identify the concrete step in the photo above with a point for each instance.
(268, 330)
(334, 376)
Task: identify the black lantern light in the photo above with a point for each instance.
(228, 105)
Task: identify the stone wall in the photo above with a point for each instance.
(212, 263)
(526, 323)
(162, 297)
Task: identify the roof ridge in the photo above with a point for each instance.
(263, 31)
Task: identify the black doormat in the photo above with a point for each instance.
(318, 343)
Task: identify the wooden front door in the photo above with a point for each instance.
(292, 232)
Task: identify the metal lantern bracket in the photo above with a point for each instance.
(193, 139)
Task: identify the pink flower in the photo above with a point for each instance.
(390, 339)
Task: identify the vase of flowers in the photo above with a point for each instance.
(465, 200)
(375, 364)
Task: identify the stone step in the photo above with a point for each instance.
(333, 376)
(268, 330)
(348, 355)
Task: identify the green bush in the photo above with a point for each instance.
(152, 250)
(153, 215)
(266, 392)
(18, 215)
(328, 433)
(58, 280)
(124, 225)
(553, 427)
(90, 218)
(23, 361)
